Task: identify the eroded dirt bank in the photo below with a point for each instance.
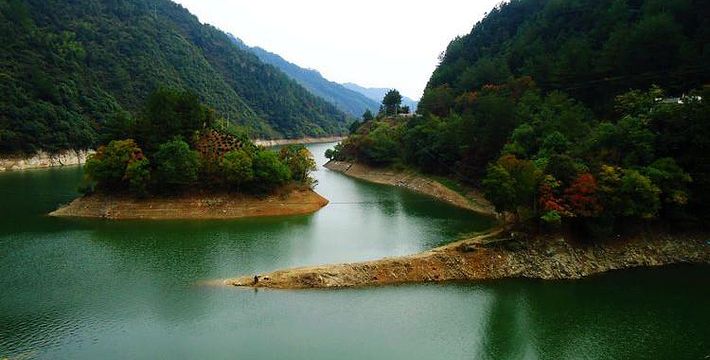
(307, 140)
(486, 257)
(414, 182)
(43, 160)
(194, 206)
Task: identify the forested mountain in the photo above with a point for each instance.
(348, 101)
(377, 94)
(591, 49)
(68, 67)
(590, 114)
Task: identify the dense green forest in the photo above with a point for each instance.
(583, 150)
(591, 49)
(67, 67)
(176, 145)
(351, 102)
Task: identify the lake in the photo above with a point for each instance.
(89, 289)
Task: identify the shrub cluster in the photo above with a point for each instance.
(157, 153)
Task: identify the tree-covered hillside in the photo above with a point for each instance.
(69, 66)
(348, 101)
(591, 49)
(554, 110)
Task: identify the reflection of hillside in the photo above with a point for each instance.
(616, 316)
(27, 196)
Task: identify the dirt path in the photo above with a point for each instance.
(414, 182)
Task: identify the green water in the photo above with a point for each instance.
(94, 289)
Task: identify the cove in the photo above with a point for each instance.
(75, 288)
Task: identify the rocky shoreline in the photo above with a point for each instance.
(44, 160)
(193, 206)
(306, 140)
(415, 182)
(487, 257)
(495, 254)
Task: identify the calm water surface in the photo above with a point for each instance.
(89, 289)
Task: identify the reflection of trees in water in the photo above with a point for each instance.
(506, 333)
(626, 315)
(161, 261)
(27, 196)
(393, 201)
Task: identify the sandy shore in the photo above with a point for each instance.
(195, 206)
(415, 182)
(485, 257)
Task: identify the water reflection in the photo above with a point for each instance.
(123, 289)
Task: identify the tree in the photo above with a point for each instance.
(138, 176)
(582, 196)
(511, 184)
(367, 116)
(176, 164)
(499, 188)
(269, 171)
(381, 145)
(299, 161)
(391, 102)
(237, 168)
(639, 196)
(354, 126)
(118, 166)
(171, 113)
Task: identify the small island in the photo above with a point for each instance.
(177, 161)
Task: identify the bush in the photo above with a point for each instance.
(299, 161)
(138, 176)
(269, 171)
(176, 164)
(237, 168)
(109, 165)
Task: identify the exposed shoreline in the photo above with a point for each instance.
(306, 140)
(488, 256)
(484, 258)
(44, 160)
(193, 206)
(415, 182)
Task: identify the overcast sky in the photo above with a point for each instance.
(374, 43)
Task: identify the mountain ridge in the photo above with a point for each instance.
(68, 68)
(377, 94)
(347, 100)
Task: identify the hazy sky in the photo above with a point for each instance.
(374, 43)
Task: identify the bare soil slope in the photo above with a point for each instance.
(193, 206)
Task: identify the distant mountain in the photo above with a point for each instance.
(68, 66)
(351, 102)
(377, 94)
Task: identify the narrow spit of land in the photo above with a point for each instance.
(486, 257)
(491, 255)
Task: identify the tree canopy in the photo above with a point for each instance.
(536, 108)
(192, 153)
